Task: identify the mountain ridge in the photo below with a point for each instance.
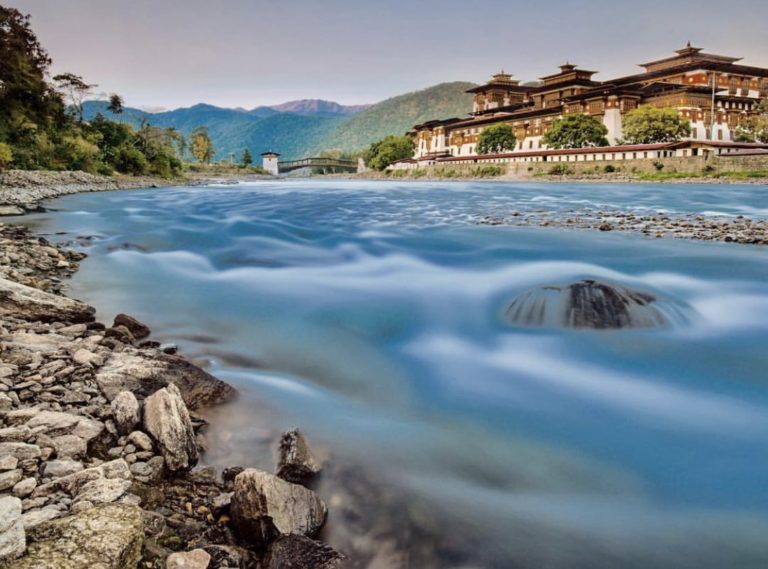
(304, 127)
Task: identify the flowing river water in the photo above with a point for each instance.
(370, 314)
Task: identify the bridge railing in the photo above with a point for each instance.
(316, 163)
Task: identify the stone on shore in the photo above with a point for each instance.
(296, 463)
(139, 330)
(27, 303)
(116, 469)
(195, 559)
(167, 420)
(264, 507)
(299, 552)
(104, 537)
(11, 210)
(12, 537)
(126, 412)
(144, 374)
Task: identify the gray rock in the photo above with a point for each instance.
(296, 463)
(104, 537)
(265, 507)
(103, 491)
(11, 210)
(126, 412)
(12, 537)
(10, 478)
(136, 328)
(143, 374)
(69, 446)
(24, 488)
(140, 440)
(34, 518)
(20, 451)
(195, 559)
(15, 434)
(8, 462)
(86, 357)
(141, 469)
(59, 423)
(27, 303)
(60, 468)
(166, 418)
(299, 552)
(116, 469)
(74, 331)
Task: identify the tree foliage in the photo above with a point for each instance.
(6, 155)
(388, 150)
(247, 159)
(652, 125)
(116, 104)
(201, 146)
(495, 139)
(576, 131)
(755, 128)
(37, 132)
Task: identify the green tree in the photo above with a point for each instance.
(76, 90)
(652, 125)
(6, 156)
(201, 146)
(495, 139)
(388, 150)
(247, 158)
(116, 104)
(755, 128)
(576, 131)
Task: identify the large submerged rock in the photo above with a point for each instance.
(590, 304)
(299, 552)
(104, 537)
(27, 303)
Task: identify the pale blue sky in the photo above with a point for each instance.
(172, 53)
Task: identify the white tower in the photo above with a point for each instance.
(269, 161)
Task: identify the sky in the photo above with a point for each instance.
(247, 53)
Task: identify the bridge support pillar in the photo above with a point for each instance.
(269, 162)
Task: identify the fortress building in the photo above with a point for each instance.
(715, 93)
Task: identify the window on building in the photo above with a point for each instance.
(719, 135)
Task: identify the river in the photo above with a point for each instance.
(370, 314)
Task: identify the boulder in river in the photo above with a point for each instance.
(166, 418)
(296, 463)
(109, 537)
(265, 507)
(591, 304)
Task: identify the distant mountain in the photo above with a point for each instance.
(301, 128)
(398, 114)
(233, 130)
(318, 107)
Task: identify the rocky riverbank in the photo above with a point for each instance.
(23, 190)
(100, 434)
(737, 229)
